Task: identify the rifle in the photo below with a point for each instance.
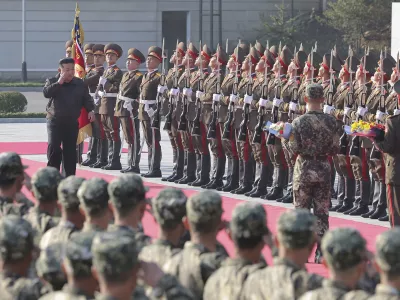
(168, 117)
(226, 135)
(258, 131)
(157, 114)
(398, 70)
(246, 111)
(329, 99)
(344, 142)
(212, 130)
(271, 137)
(185, 101)
(227, 51)
(196, 130)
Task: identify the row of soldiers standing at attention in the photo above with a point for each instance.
(92, 246)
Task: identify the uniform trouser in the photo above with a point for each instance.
(264, 167)
(290, 160)
(377, 168)
(111, 129)
(279, 162)
(344, 170)
(95, 139)
(177, 147)
(359, 164)
(102, 144)
(246, 163)
(219, 158)
(393, 197)
(130, 128)
(63, 132)
(230, 150)
(153, 138)
(200, 144)
(190, 153)
(172, 138)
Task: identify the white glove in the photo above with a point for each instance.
(128, 105)
(161, 89)
(396, 112)
(102, 80)
(248, 99)
(174, 92)
(216, 97)
(96, 101)
(100, 93)
(277, 102)
(233, 98)
(379, 115)
(199, 94)
(263, 102)
(150, 112)
(328, 109)
(187, 92)
(292, 106)
(347, 111)
(361, 111)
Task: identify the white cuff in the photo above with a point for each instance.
(102, 80)
(396, 112)
(150, 112)
(128, 105)
(187, 92)
(248, 99)
(328, 109)
(161, 89)
(347, 110)
(361, 111)
(199, 94)
(216, 97)
(263, 102)
(96, 101)
(233, 98)
(379, 115)
(100, 93)
(277, 102)
(174, 92)
(292, 106)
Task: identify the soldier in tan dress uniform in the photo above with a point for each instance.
(68, 48)
(172, 95)
(127, 106)
(147, 106)
(108, 90)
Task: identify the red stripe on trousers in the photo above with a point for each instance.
(383, 170)
(179, 141)
(233, 143)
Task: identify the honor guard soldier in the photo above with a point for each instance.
(147, 107)
(188, 114)
(310, 72)
(211, 100)
(100, 143)
(108, 90)
(169, 106)
(68, 48)
(226, 114)
(311, 178)
(199, 132)
(127, 106)
(264, 167)
(274, 144)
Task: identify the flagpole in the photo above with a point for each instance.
(24, 68)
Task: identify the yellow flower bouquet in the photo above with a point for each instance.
(366, 129)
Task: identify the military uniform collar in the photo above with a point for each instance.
(67, 224)
(74, 291)
(91, 227)
(383, 289)
(278, 261)
(112, 66)
(336, 284)
(236, 261)
(133, 72)
(191, 245)
(163, 242)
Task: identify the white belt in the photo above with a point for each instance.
(147, 103)
(238, 106)
(92, 94)
(127, 99)
(110, 95)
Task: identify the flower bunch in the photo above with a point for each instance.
(366, 129)
(361, 126)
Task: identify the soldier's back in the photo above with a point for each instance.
(8, 207)
(283, 281)
(159, 252)
(333, 290)
(41, 221)
(58, 234)
(227, 282)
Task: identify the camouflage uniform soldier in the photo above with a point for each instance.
(287, 279)
(147, 106)
(115, 261)
(71, 217)
(200, 142)
(127, 106)
(248, 230)
(312, 177)
(345, 254)
(49, 266)
(196, 262)
(108, 89)
(128, 202)
(17, 247)
(275, 146)
(44, 185)
(11, 183)
(93, 197)
(99, 145)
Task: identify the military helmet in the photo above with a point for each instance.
(238, 55)
(206, 52)
(369, 66)
(245, 46)
(260, 48)
(181, 48)
(269, 58)
(221, 55)
(388, 64)
(326, 61)
(135, 54)
(285, 57)
(274, 51)
(192, 51)
(300, 59)
(355, 62)
(317, 60)
(113, 48)
(254, 55)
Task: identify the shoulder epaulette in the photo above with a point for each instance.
(139, 73)
(116, 68)
(158, 74)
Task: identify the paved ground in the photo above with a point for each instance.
(37, 132)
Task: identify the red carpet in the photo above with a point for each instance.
(35, 148)
(368, 231)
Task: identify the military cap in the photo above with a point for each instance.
(16, 238)
(127, 190)
(300, 59)
(396, 87)
(113, 48)
(44, 184)
(317, 60)
(67, 191)
(10, 166)
(206, 52)
(88, 48)
(50, 260)
(238, 55)
(254, 56)
(343, 248)
(390, 58)
(69, 44)
(326, 62)
(269, 58)
(314, 91)
(204, 206)
(260, 48)
(169, 207)
(135, 54)
(98, 49)
(156, 52)
(192, 51)
(388, 66)
(249, 220)
(114, 255)
(296, 228)
(181, 48)
(336, 54)
(221, 55)
(354, 63)
(274, 51)
(245, 46)
(93, 194)
(387, 250)
(285, 57)
(369, 66)
(78, 254)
